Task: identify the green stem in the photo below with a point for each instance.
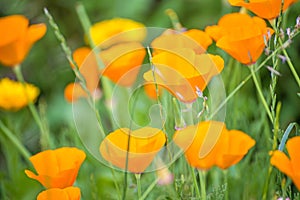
(45, 138)
(225, 172)
(258, 88)
(15, 141)
(195, 182)
(174, 19)
(276, 129)
(202, 175)
(149, 189)
(290, 64)
(138, 183)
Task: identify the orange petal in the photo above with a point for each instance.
(282, 162)
(69, 193)
(235, 146)
(123, 62)
(201, 143)
(292, 146)
(36, 32)
(11, 28)
(144, 145)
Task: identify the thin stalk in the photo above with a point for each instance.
(261, 96)
(225, 172)
(15, 141)
(195, 182)
(149, 189)
(139, 186)
(174, 19)
(289, 62)
(275, 136)
(202, 175)
(45, 137)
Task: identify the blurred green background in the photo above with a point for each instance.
(47, 68)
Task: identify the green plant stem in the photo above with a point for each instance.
(258, 88)
(45, 137)
(275, 136)
(149, 189)
(225, 173)
(195, 182)
(202, 175)
(15, 141)
(289, 62)
(139, 186)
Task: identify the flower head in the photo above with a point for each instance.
(110, 32)
(210, 144)
(15, 95)
(56, 168)
(267, 9)
(241, 36)
(69, 193)
(144, 144)
(289, 165)
(17, 37)
(183, 71)
(122, 62)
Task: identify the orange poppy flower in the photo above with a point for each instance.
(69, 193)
(184, 72)
(267, 9)
(241, 36)
(17, 38)
(289, 166)
(210, 144)
(193, 39)
(56, 168)
(87, 64)
(145, 143)
(110, 32)
(122, 62)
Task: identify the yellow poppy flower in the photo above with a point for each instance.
(241, 36)
(56, 168)
(17, 37)
(267, 9)
(144, 144)
(15, 95)
(289, 165)
(209, 144)
(69, 193)
(113, 31)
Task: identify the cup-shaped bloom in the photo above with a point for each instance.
(267, 9)
(113, 31)
(289, 165)
(209, 144)
(183, 72)
(144, 144)
(122, 62)
(194, 39)
(15, 95)
(241, 36)
(69, 193)
(17, 37)
(57, 168)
